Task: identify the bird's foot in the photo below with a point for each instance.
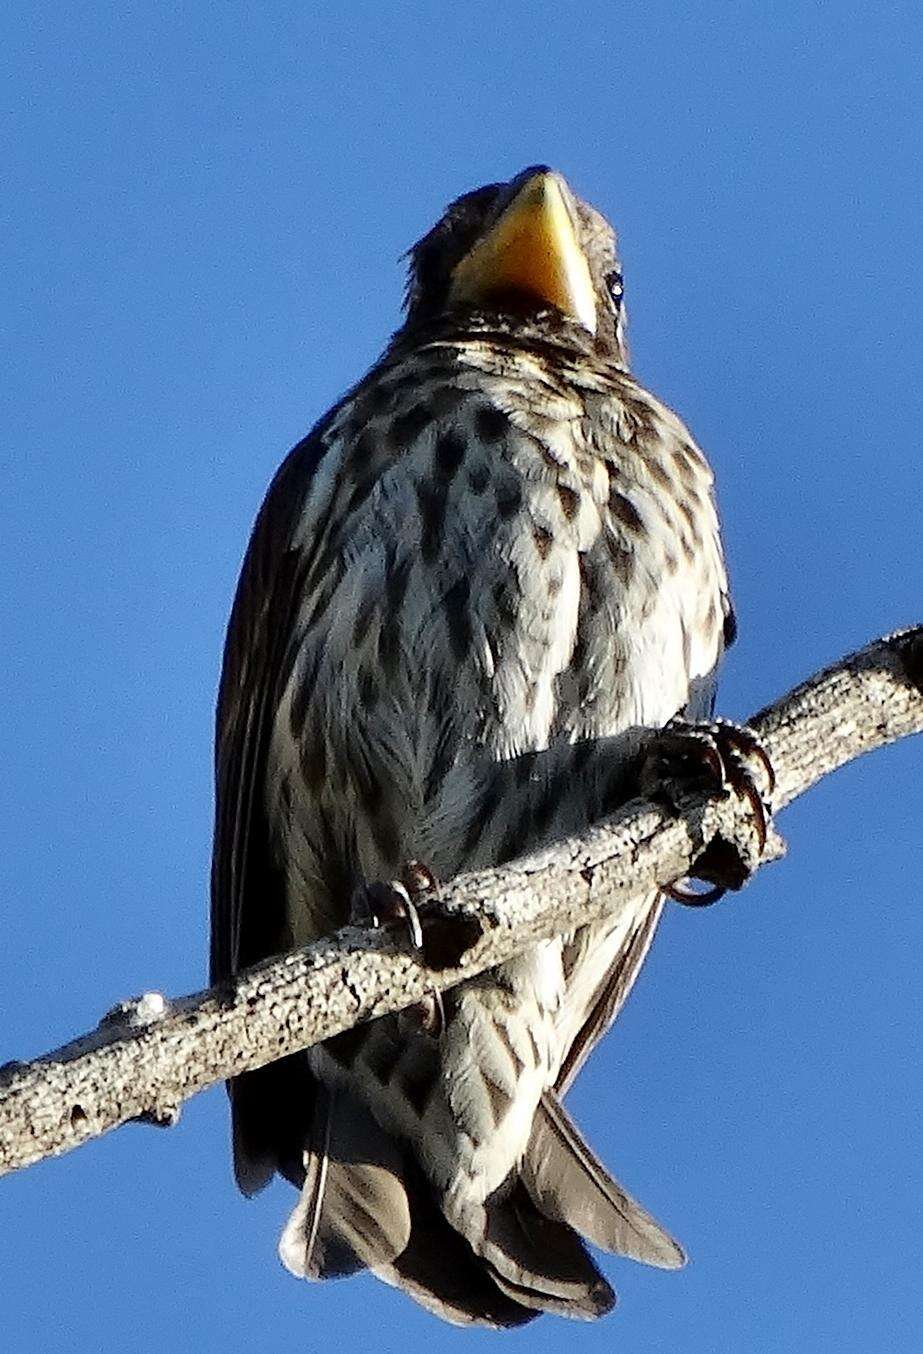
(395, 902)
(718, 757)
(377, 905)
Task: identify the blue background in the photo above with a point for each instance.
(203, 211)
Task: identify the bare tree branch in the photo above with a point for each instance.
(149, 1055)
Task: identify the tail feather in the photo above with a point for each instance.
(441, 1272)
(537, 1261)
(569, 1184)
(365, 1202)
(353, 1210)
(540, 1262)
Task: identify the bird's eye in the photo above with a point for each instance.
(615, 288)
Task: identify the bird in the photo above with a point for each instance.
(472, 590)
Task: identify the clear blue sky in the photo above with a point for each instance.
(202, 214)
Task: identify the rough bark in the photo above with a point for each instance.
(150, 1054)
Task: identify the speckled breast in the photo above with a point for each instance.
(506, 556)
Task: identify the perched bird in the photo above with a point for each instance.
(469, 592)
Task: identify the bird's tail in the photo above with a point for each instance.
(567, 1182)
(366, 1204)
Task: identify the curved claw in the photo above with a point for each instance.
(691, 898)
(733, 762)
(391, 903)
(412, 917)
(381, 904)
(697, 742)
(745, 786)
(426, 1016)
(417, 879)
(747, 743)
(438, 1014)
(713, 757)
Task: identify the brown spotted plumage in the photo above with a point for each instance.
(469, 591)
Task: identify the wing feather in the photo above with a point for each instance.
(248, 904)
(256, 651)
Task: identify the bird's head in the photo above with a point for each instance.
(520, 251)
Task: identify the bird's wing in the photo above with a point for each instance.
(247, 908)
(610, 997)
(248, 894)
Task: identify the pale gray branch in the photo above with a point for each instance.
(148, 1056)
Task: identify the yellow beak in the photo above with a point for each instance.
(531, 248)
